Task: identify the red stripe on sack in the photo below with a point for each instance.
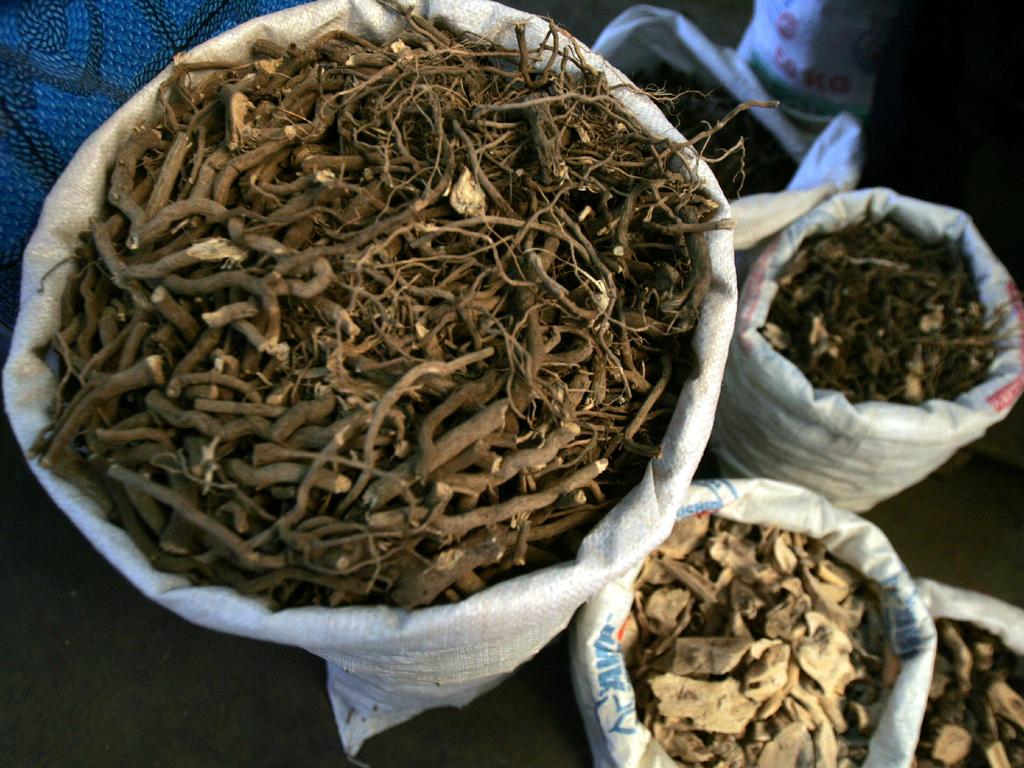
(1008, 395)
(752, 292)
(622, 630)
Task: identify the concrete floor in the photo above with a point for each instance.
(92, 674)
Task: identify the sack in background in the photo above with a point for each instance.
(385, 664)
(600, 679)
(1003, 620)
(771, 420)
(830, 160)
(819, 56)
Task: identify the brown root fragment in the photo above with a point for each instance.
(302, 413)
(168, 175)
(232, 408)
(145, 373)
(423, 587)
(285, 473)
(237, 547)
(450, 445)
(213, 249)
(175, 314)
(460, 524)
(122, 180)
(245, 388)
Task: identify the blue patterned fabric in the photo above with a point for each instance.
(65, 66)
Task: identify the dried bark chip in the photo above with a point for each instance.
(718, 707)
(780, 661)
(839, 577)
(686, 534)
(692, 579)
(862, 718)
(792, 747)
(727, 751)
(655, 573)
(1006, 702)
(983, 652)
(822, 710)
(664, 607)
(740, 557)
(995, 754)
(768, 672)
(708, 655)
(745, 600)
(952, 744)
(962, 659)
(466, 197)
(975, 713)
(777, 337)
(782, 620)
(785, 560)
(684, 745)
(825, 654)
(826, 746)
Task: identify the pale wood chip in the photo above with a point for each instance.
(952, 744)
(716, 706)
(708, 655)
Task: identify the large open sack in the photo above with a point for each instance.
(772, 422)
(605, 694)
(819, 57)
(385, 664)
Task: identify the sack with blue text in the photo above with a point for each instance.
(769, 629)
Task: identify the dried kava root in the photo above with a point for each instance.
(975, 715)
(877, 314)
(752, 646)
(745, 156)
(379, 322)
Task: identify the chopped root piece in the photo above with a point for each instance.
(975, 714)
(876, 313)
(736, 660)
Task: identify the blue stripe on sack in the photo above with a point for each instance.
(905, 616)
(698, 507)
(711, 505)
(615, 691)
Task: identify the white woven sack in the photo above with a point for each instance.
(603, 689)
(1003, 620)
(773, 423)
(644, 36)
(820, 56)
(385, 664)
